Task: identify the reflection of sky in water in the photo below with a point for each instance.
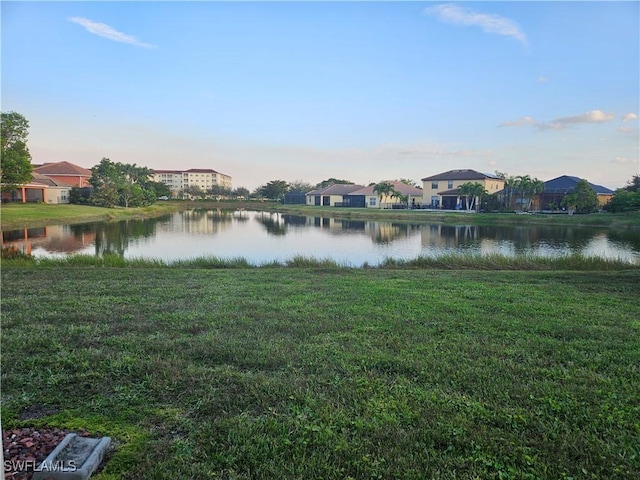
(262, 238)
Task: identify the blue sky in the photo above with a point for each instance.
(364, 91)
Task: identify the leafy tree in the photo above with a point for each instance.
(120, 184)
(161, 189)
(194, 191)
(274, 190)
(333, 181)
(300, 186)
(626, 199)
(219, 191)
(79, 195)
(15, 159)
(633, 185)
(583, 198)
(241, 192)
(473, 193)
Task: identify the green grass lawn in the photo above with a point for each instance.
(17, 215)
(329, 373)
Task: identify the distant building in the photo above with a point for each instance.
(178, 180)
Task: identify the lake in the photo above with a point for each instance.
(262, 237)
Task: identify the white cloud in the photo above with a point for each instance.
(107, 31)
(489, 23)
(520, 122)
(624, 161)
(543, 79)
(629, 116)
(594, 116)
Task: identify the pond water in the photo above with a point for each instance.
(262, 237)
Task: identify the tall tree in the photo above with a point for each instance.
(15, 159)
(333, 181)
(583, 198)
(300, 186)
(241, 192)
(384, 190)
(473, 193)
(507, 191)
(274, 190)
(120, 184)
(527, 188)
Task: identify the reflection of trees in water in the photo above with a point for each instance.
(114, 237)
(628, 238)
(272, 222)
(295, 220)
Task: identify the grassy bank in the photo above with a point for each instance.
(16, 215)
(32, 215)
(282, 373)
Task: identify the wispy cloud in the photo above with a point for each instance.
(520, 122)
(629, 116)
(624, 161)
(107, 31)
(561, 123)
(594, 116)
(489, 23)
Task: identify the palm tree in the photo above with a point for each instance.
(384, 189)
(508, 190)
(528, 188)
(472, 192)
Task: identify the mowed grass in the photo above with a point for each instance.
(18, 215)
(330, 373)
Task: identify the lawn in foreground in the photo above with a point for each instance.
(331, 373)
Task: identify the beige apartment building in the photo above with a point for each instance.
(178, 180)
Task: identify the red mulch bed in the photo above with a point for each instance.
(25, 448)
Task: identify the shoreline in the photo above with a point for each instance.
(16, 216)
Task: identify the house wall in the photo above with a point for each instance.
(56, 195)
(73, 180)
(491, 185)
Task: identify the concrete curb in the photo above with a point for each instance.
(75, 458)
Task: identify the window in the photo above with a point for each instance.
(372, 201)
(434, 185)
(450, 184)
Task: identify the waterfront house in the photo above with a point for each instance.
(443, 190)
(65, 172)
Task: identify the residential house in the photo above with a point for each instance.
(442, 190)
(331, 196)
(65, 172)
(178, 180)
(366, 197)
(557, 188)
(39, 189)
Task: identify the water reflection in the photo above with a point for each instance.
(262, 237)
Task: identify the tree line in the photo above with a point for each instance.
(128, 185)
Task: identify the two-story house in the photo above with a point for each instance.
(442, 190)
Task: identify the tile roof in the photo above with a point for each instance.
(39, 179)
(62, 168)
(465, 174)
(336, 189)
(403, 188)
(566, 184)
